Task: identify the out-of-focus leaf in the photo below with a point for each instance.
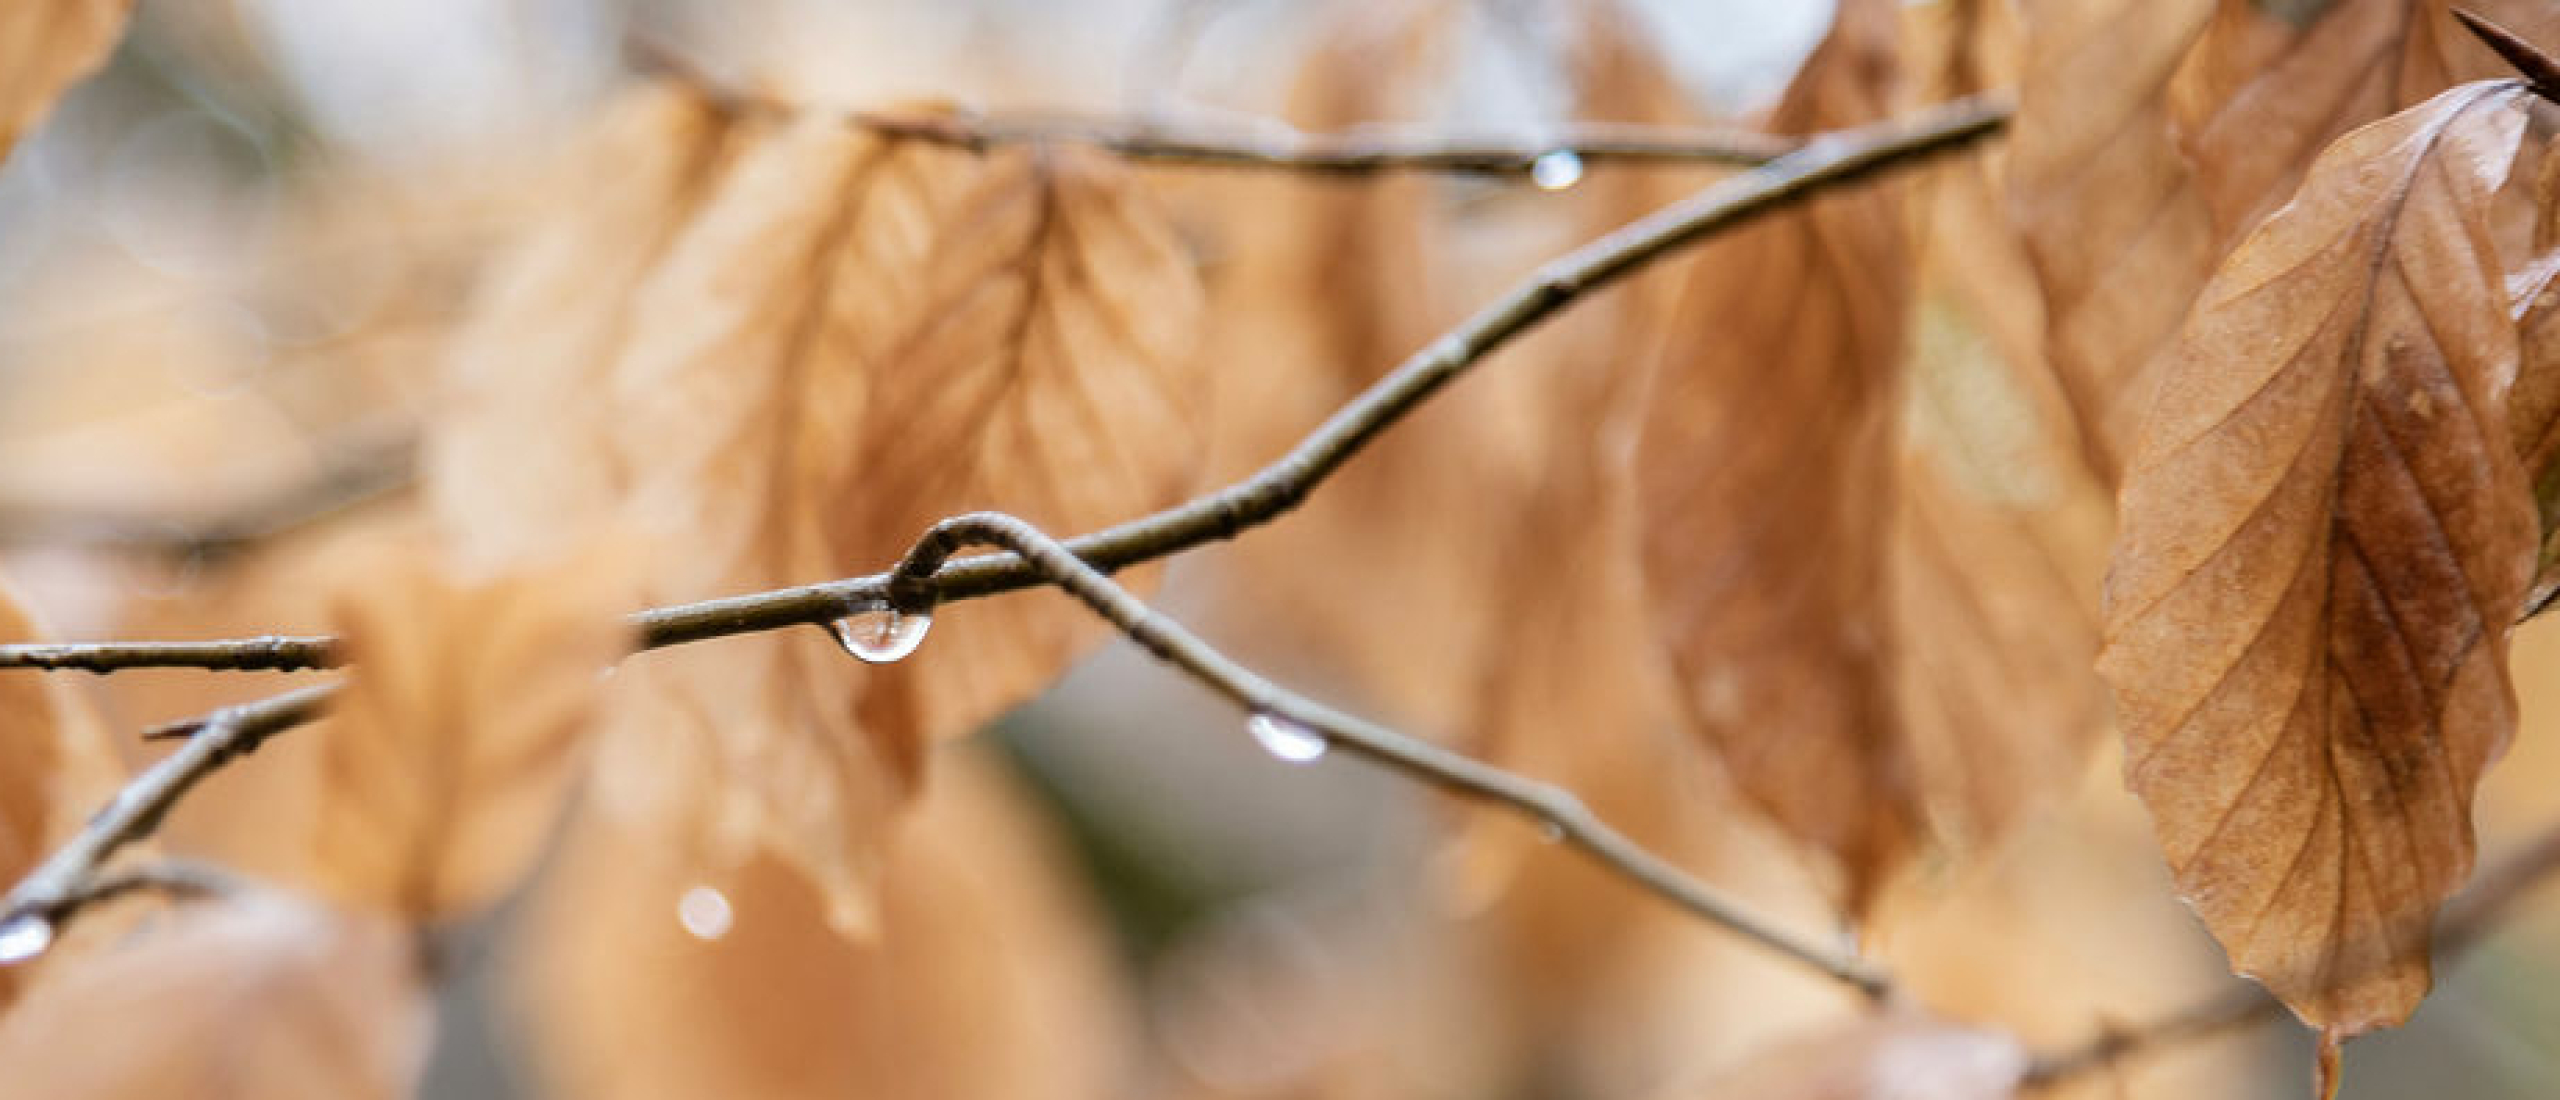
(641, 976)
(1765, 460)
(512, 471)
(855, 336)
(1879, 1058)
(453, 747)
(2533, 406)
(264, 999)
(2326, 535)
(45, 47)
(2100, 195)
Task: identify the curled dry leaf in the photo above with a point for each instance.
(1764, 452)
(1895, 1057)
(2325, 535)
(855, 336)
(640, 976)
(264, 998)
(460, 729)
(45, 47)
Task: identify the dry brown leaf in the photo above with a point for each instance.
(2151, 136)
(509, 475)
(988, 978)
(856, 336)
(2325, 536)
(1330, 283)
(1879, 1058)
(453, 747)
(45, 47)
(265, 998)
(2099, 193)
(1765, 456)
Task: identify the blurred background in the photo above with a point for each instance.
(230, 263)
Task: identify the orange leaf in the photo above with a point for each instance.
(1880, 1058)
(45, 47)
(2325, 535)
(265, 999)
(854, 336)
(451, 752)
(642, 977)
(1766, 448)
(57, 767)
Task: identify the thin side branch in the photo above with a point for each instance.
(1823, 163)
(55, 889)
(2466, 920)
(1552, 807)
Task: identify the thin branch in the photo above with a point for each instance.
(2466, 920)
(1275, 145)
(176, 879)
(1825, 162)
(265, 653)
(1264, 143)
(1552, 807)
(54, 889)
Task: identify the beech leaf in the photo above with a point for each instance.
(45, 47)
(266, 999)
(2325, 536)
(1764, 446)
(461, 727)
(854, 336)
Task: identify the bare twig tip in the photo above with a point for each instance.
(2538, 68)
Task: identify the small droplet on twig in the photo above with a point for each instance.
(880, 633)
(1288, 741)
(1557, 170)
(24, 937)
(705, 913)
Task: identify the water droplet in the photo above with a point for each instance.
(705, 912)
(24, 937)
(1556, 171)
(881, 633)
(1550, 830)
(1291, 742)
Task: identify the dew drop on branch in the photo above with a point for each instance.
(705, 913)
(24, 937)
(1290, 742)
(1557, 170)
(880, 633)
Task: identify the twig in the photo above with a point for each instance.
(2466, 920)
(1554, 808)
(179, 879)
(52, 891)
(1275, 145)
(265, 653)
(1268, 144)
(2540, 71)
(1825, 162)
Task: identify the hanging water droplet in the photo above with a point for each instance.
(705, 912)
(1557, 170)
(1291, 742)
(1550, 830)
(880, 633)
(24, 937)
